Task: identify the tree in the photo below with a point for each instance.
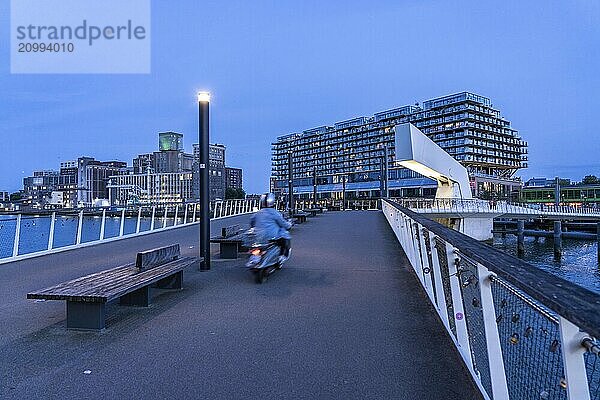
(590, 179)
(16, 196)
(235, 193)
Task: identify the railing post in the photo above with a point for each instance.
(122, 223)
(102, 224)
(51, 234)
(492, 337)
(426, 268)
(152, 220)
(17, 236)
(462, 335)
(176, 215)
(440, 295)
(79, 227)
(185, 214)
(164, 224)
(139, 220)
(194, 212)
(573, 363)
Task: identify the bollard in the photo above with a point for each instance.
(520, 237)
(557, 240)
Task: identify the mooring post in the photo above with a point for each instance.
(557, 240)
(520, 237)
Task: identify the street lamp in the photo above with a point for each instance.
(203, 163)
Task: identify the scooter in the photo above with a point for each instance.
(265, 258)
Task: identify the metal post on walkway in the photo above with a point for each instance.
(557, 240)
(290, 182)
(314, 187)
(203, 140)
(520, 237)
(344, 194)
(386, 172)
(598, 240)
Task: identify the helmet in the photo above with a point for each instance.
(267, 200)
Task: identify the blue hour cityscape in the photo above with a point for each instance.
(231, 200)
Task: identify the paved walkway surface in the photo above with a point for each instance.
(344, 319)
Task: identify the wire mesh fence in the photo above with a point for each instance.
(510, 339)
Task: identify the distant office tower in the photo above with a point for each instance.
(143, 163)
(349, 154)
(83, 183)
(216, 173)
(151, 188)
(233, 178)
(4, 197)
(170, 141)
(39, 187)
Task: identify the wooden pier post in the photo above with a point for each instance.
(520, 237)
(557, 240)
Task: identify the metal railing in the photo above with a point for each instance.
(339, 205)
(523, 333)
(28, 235)
(487, 206)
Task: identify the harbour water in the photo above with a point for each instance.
(35, 230)
(579, 263)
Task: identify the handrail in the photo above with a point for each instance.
(65, 229)
(579, 305)
(521, 331)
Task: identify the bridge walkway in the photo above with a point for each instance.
(345, 319)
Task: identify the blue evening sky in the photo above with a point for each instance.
(280, 66)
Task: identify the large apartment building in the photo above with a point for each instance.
(348, 155)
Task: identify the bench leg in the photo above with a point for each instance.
(174, 281)
(137, 298)
(85, 315)
(229, 250)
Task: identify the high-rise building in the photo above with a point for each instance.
(216, 170)
(349, 154)
(233, 178)
(170, 141)
(39, 187)
(151, 188)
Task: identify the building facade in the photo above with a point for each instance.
(349, 155)
(39, 187)
(216, 171)
(170, 141)
(154, 188)
(233, 178)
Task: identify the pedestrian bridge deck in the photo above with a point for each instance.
(346, 318)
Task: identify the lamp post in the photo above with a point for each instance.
(203, 139)
(290, 183)
(314, 187)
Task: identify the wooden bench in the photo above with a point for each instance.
(300, 216)
(311, 211)
(87, 296)
(230, 241)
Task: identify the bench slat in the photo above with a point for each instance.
(107, 285)
(123, 281)
(154, 257)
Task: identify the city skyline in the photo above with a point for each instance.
(275, 69)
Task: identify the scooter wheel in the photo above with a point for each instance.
(261, 276)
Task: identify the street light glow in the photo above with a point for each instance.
(204, 97)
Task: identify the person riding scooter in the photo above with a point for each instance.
(269, 224)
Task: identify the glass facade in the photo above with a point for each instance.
(351, 152)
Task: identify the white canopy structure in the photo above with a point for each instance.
(415, 151)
